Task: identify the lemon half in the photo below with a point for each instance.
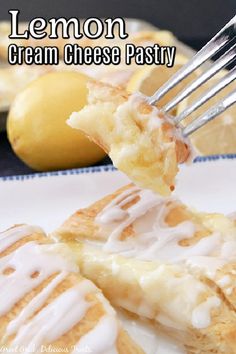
(149, 78)
(219, 135)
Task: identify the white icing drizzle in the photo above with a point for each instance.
(9, 237)
(153, 119)
(227, 283)
(224, 281)
(106, 305)
(25, 261)
(208, 264)
(132, 106)
(35, 304)
(228, 250)
(169, 322)
(151, 340)
(201, 316)
(155, 240)
(38, 324)
(57, 318)
(229, 291)
(113, 212)
(101, 339)
(147, 201)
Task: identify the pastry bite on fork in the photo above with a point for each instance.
(46, 305)
(160, 260)
(141, 141)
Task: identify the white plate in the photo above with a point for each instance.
(49, 198)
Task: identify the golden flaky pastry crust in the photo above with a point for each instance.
(141, 141)
(20, 317)
(169, 264)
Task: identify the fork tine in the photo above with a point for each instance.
(225, 35)
(211, 113)
(216, 67)
(229, 77)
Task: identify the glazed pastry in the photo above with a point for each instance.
(46, 303)
(156, 258)
(141, 142)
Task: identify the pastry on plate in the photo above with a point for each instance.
(158, 259)
(141, 141)
(46, 305)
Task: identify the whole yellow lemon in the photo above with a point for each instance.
(37, 128)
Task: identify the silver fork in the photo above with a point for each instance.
(223, 38)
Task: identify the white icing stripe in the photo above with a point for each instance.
(154, 238)
(101, 339)
(149, 339)
(34, 305)
(113, 212)
(147, 201)
(106, 305)
(56, 319)
(9, 237)
(201, 316)
(26, 268)
(209, 265)
(224, 281)
(228, 250)
(229, 291)
(26, 261)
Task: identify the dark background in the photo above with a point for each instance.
(192, 21)
(188, 19)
